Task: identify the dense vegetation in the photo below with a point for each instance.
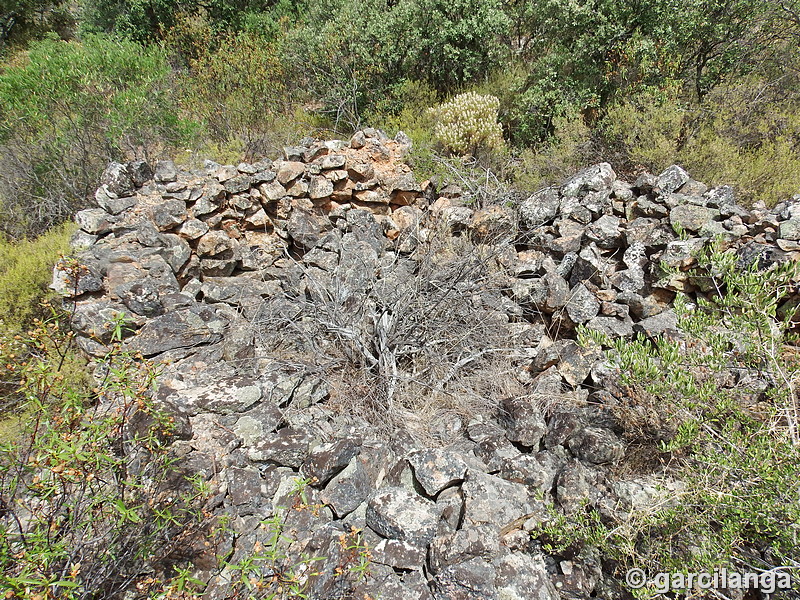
(711, 84)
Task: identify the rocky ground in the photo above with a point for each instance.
(410, 355)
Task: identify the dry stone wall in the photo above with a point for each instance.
(205, 266)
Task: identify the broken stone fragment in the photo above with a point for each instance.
(289, 171)
(436, 469)
(523, 421)
(462, 545)
(112, 203)
(319, 187)
(94, 220)
(671, 180)
(193, 229)
(72, 280)
(491, 500)
(288, 448)
(397, 514)
(522, 575)
(216, 244)
(594, 178)
(306, 228)
(168, 214)
(184, 328)
(473, 579)
(582, 305)
(165, 171)
(327, 460)
(689, 217)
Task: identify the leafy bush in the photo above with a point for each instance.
(468, 123)
(645, 129)
(69, 108)
(26, 268)
(150, 20)
(719, 405)
(456, 42)
(24, 20)
(240, 90)
(92, 498)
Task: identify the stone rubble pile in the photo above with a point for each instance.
(191, 259)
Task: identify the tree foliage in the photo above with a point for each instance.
(19, 18)
(150, 20)
(445, 44)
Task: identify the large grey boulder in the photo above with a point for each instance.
(326, 460)
(469, 580)
(117, 180)
(521, 575)
(539, 208)
(523, 421)
(689, 217)
(582, 305)
(594, 178)
(490, 500)
(94, 220)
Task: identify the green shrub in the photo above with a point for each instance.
(415, 98)
(93, 501)
(358, 72)
(747, 137)
(68, 109)
(240, 92)
(569, 149)
(342, 72)
(645, 129)
(744, 135)
(26, 269)
(24, 20)
(456, 42)
(735, 449)
(468, 124)
(150, 20)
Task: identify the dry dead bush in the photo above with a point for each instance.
(419, 342)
